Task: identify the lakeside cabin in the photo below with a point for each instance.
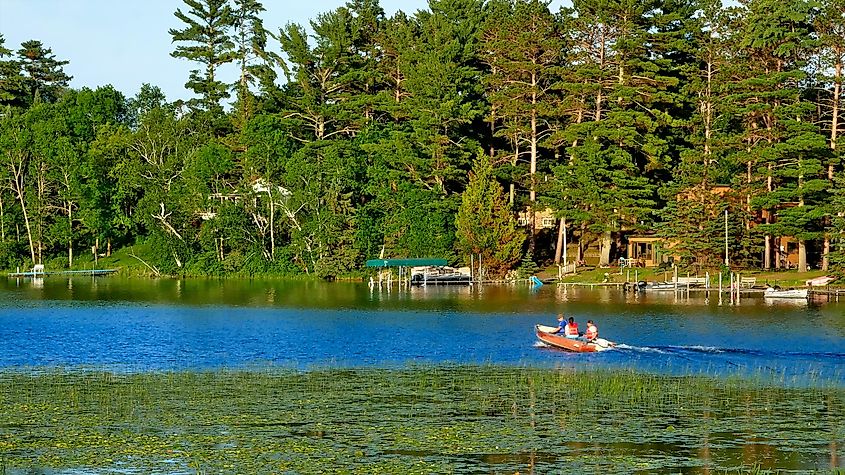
(644, 251)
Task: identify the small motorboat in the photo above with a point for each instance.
(774, 293)
(666, 285)
(577, 345)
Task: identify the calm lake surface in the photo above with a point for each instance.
(140, 325)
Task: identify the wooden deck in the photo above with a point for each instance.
(91, 272)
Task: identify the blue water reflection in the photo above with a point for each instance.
(268, 325)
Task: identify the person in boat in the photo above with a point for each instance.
(561, 324)
(592, 331)
(571, 329)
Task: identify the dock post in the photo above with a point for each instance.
(731, 288)
(720, 288)
(675, 278)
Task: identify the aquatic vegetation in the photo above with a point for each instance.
(427, 419)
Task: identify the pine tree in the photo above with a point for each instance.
(522, 48)
(523, 51)
(693, 213)
(782, 151)
(44, 76)
(206, 39)
(830, 27)
(615, 138)
(484, 222)
(444, 96)
(12, 89)
(256, 63)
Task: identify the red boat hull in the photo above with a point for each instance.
(568, 344)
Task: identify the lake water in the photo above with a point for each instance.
(139, 325)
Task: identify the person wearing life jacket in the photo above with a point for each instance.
(592, 331)
(571, 329)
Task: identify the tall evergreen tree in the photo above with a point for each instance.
(617, 138)
(206, 39)
(320, 112)
(523, 50)
(256, 62)
(444, 95)
(44, 76)
(484, 223)
(12, 86)
(830, 27)
(693, 213)
(780, 150)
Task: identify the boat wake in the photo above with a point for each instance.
(699, 350)
(641, 349)
(688, 349)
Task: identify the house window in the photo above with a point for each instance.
(548, 222)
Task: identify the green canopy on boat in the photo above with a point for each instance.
(405, 262)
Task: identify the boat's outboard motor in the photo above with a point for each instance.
(634, 286)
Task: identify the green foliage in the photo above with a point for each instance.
(44, 79)
(618, 117)
(527, 266)
(207, 32)
(12, 82)
(484, 223)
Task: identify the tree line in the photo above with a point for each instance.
(366, 135)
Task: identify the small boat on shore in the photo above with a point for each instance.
(666, 285)
(546, 335)
(773, 293)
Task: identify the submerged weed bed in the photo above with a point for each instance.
(441, 419)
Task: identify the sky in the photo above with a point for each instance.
(126, 43)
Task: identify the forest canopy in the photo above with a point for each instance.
(426, 135)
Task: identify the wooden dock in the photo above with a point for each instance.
(89, 272)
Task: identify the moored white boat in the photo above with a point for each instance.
(785, 294)
(666, 285)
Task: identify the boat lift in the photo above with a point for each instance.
(405, 265)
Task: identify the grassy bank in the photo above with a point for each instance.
(438, 419)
